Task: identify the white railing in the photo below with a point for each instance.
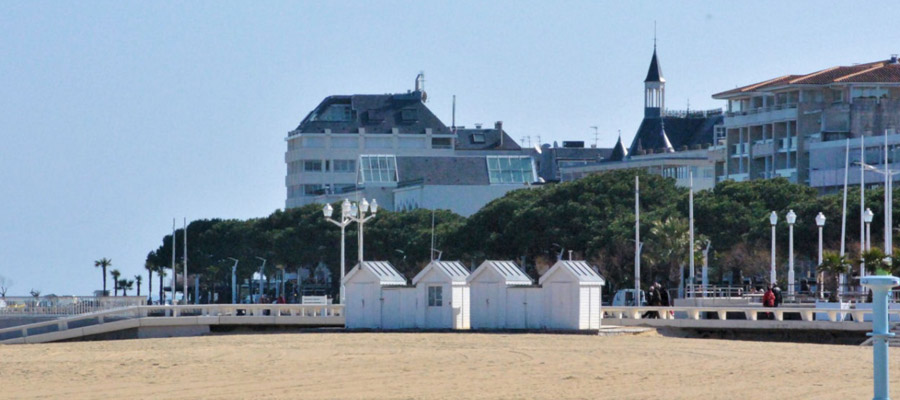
(749, 313)
(64, 305)
(204, 314)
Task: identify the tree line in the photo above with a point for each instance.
(592, 217)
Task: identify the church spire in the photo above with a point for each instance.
(654, 86)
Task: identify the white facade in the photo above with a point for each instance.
(571, 296)
(375, 296)
(442, 296)
(492, 307)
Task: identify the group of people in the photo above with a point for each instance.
(771, 298)
(657, 296)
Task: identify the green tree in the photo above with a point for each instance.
(126, 285)
(115, 275)
(137, 279)
(103, 263)
(834, 265)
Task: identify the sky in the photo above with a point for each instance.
(117, 116)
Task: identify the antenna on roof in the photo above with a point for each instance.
(596, 135)
(654, 35)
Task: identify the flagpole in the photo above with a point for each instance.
(185, 285)
(637, 242)
(174, 267)
(691, 244)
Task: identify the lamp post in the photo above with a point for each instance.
(888, 198)
(773, 219)
(820, 279)
(358, 215)
(868, 216)
(791, 219)
(345, 220)
(262, 269)
(234, 280)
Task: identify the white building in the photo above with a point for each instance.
(371, 304)
(491, 306)
(571, 293)
(442, 296)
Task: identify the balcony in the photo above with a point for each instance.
(740, 150)
(761, 115)
(787, 144)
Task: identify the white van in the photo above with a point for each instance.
(625, 297)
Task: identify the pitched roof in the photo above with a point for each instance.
(654, 73)
(383, 271)
(680, 132)
(452, 270)
(878, 71)
(443, 170)
(376, 113)
(507, 270)
(618, 152)
(484, 139)
(580, 270)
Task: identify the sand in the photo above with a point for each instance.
(436, 366)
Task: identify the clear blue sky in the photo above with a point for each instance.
(117, 116)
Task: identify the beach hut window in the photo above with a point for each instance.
(435, 296)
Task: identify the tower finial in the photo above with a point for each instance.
(654, 35)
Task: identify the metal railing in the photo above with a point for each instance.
(64, 305)
(752, 313)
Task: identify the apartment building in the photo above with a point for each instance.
(796, 126)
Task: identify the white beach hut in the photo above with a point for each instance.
(365, 287)
(442, 296)
(571, 294)
(489, 285)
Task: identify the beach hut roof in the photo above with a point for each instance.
(508, 271)
(382, 270)
(453, 270)
(580, 270)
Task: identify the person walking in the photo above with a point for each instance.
(768, 300)
(777, 292)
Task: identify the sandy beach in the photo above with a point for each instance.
(436, 366)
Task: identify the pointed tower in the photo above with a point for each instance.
(619, 152)
(654, 89)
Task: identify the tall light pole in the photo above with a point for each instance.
(868, 216)
(691, 245)
(262, 269)
(888, 199)
(234, 280)
(791, 219)
(773, 219)
(637, 241)
(345, 220)
(820, 222)
(358, 215)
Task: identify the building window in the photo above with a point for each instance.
(441, 143)
(336, 113)
(477, 138)
(312, 165)
(837, 96)
(435, 296)
(376, 169)
(868, 92)
(313, 190)
(344, 165)
(510, 169)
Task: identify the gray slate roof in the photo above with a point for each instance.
(654, 73)
(443, 170)
(681, 131)
(464, 140)
(377, 113)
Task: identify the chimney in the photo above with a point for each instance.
(478, 125)
(893, 59)
(499, 127)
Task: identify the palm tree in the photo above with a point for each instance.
(834, 265)
(161, 273)
(150, 267)
(103, 263)
(115, 275)
(138, 278)
(669, 246)
(125, 284)
(874, 262)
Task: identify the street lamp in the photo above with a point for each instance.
(358, 215)
(820, 281)
(234, 280)
(791, 219)
(773, 219)
(868, 216)
(888, 198)
(345, 220)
